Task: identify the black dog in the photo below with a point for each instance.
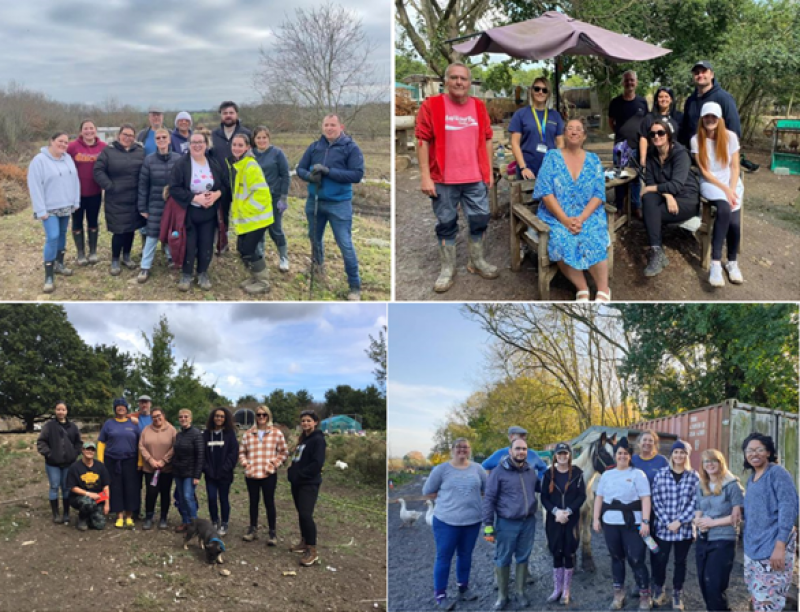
(208, 538)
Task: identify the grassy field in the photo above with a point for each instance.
(55, 567)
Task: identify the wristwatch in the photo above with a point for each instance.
(646, 521)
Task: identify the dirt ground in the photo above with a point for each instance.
(46, 567)
(769, 257)
(412, 552)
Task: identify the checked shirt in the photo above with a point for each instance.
(265, 456)
(674, 501)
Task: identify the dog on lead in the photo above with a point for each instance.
(207, 536)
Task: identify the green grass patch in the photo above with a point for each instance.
(146, 601)
(11, 523)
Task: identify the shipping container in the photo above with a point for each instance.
(724, 426)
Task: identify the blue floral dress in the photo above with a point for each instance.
(587, 248)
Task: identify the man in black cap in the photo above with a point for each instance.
(514, 433)
(87, 480)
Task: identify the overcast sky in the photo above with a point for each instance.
(184, 55)
(249, 348)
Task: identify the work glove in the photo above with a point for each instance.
(315, 178)
(282, 206)
(320, 169)
(488, 534)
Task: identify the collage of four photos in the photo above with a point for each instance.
(411, 306)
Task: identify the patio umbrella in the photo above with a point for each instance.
(555, 34)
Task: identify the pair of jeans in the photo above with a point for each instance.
(187, 502)
(149, 252)
(474, 200)
(55, 232)
(513, 538)
(265, 487)
(624, 543)
(57, 477)
(162, 489)
(453, 539)
(635, 186)
(661, 561)
(218, 489)
(656, 215)
(90, 206)
(305, 499)
(714, 565)
(275, 231)
(340, 216)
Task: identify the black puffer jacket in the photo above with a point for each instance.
(117, 172)
(60, 445)
(187, 462)
(308, 459)
(154, 176)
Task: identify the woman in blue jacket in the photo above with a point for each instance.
(275, 166)
(221, 454)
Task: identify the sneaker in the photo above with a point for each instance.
(442, 603)
(715, 277)
(656, 262)
(354, 295)
(677, 600)
(466, 594)
(283, 266)
(119, 524)
(82, 525)
(659, 596)
(162, 524)
(272, 540)
(223, 530)
(252, 534)
(734, 273)
(143, 276)
(129, 523)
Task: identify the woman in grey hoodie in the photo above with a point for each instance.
(55, 194)
(275, 166)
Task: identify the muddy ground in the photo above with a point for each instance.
(47, 567)
(412, 552)
(769, 258)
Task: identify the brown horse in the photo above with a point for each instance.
(596, 459)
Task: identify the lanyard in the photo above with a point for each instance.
(539, 125)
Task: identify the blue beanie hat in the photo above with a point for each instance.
(680, 444)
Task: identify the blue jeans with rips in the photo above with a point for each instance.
(474, 200)
(513, 538)
(57, 477)
(55, 231)
(187, 503)
(340, 216)
(453, 539)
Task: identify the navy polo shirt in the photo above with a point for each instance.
(523, 123)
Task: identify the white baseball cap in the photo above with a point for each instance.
(711, 108)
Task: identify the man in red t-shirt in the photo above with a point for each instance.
(455, 151)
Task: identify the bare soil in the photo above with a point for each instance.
(45, 567)
(412, 552)
(769, 257)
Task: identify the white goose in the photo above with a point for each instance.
(409, 517)
(429, 513)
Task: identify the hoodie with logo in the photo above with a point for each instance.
(53, 183)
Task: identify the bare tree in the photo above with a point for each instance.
(322, 59)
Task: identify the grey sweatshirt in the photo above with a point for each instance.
(770, 511)
(458, 500)
(53, 183)
(718, 506)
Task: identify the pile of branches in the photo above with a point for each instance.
(403, 103)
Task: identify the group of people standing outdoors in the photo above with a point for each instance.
(682, 156)
(184, 188)
(105, 478)
(644, 500)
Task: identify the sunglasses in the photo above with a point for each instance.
(657, 133)
(162, 138)
(261, 414)
(537, 89)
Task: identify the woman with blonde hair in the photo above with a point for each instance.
(719, 502)
(535, 129)
(262, 451)
(674, 496)
(716, 150)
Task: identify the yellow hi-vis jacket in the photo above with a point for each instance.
(251, 205)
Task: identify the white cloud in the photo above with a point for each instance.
(294, 368)
(233, 381)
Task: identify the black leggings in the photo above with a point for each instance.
(90, 205)
(199, 242)
(121, 243)
(247, 245)
(624, 543)
(728, 225)
(566, 561)
(661, 561)
(265, 486)
(656, 215)
(162, 489)
(305, 498)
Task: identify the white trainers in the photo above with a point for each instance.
(715, 276)
(734, 273)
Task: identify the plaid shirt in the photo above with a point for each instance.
(674, 501)
(264, 457)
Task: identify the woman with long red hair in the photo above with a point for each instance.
(716, 150)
